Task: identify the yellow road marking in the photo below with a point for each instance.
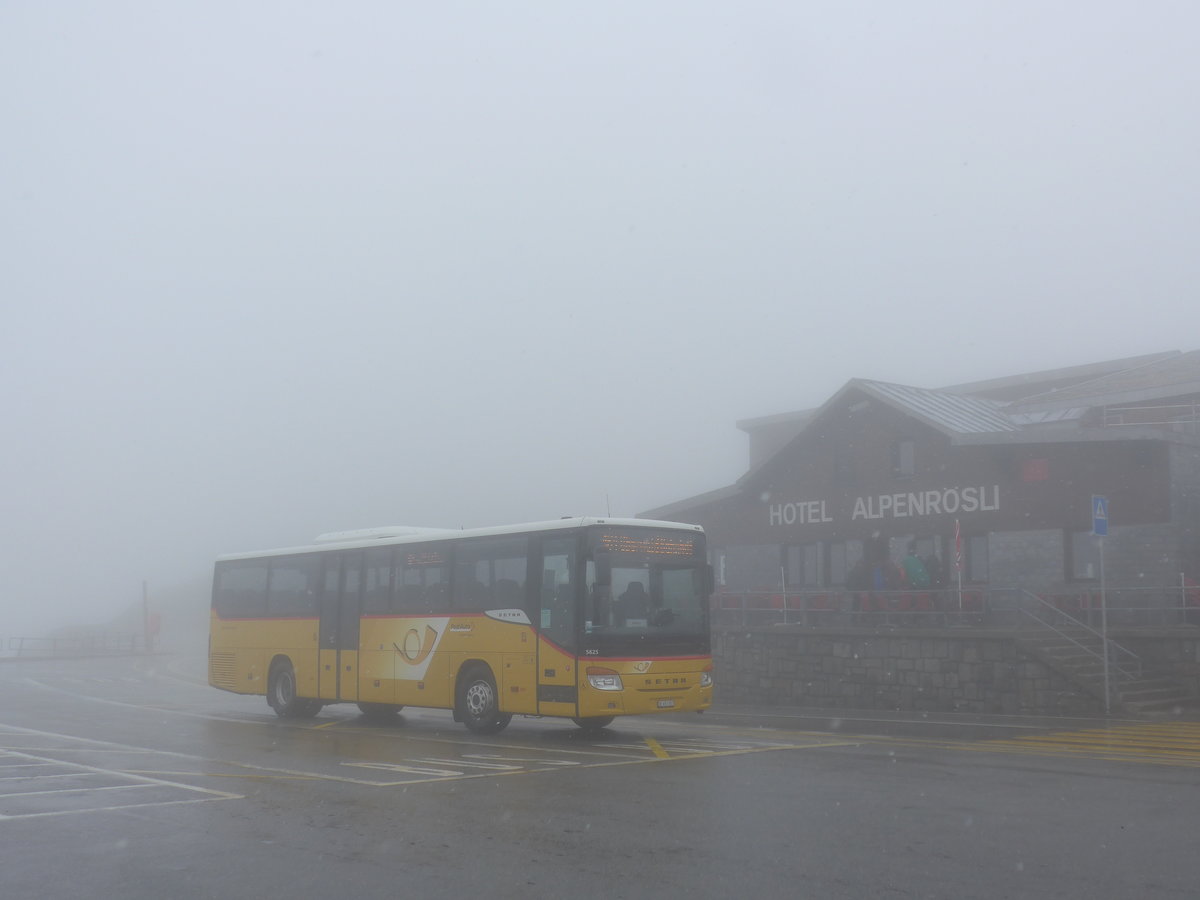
(1171, 744)
(1192, 763)
(327, 724)
(1077, 744)
(1158, 744)
(657, 748)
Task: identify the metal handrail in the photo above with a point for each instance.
(1168, 414)
(53, 646)
(812, 606)
(1158, 606)
(1079, 624)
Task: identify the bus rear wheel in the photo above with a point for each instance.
(593, 723)
(478, 703)
(281, 693)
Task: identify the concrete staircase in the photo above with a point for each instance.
(1078, 656)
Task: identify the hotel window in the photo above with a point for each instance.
(977, 558)
(928, 546)
(843, 556)
(805, 565)
(904, 454)
(1085, 556)
(751, 568)
(844, 475)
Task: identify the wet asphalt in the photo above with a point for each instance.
(130, 777)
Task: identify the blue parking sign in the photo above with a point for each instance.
(1099, 515)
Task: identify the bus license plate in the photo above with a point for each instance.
(666, 704)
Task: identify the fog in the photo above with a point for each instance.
(270, 270)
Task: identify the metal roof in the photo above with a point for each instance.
(1175, 376)
(953, 413)
(1048, 388)
(1029, 383)
(1049, 416)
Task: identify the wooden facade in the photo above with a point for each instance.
(887, 465)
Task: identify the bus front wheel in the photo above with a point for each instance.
(281, 693)
(479, 702)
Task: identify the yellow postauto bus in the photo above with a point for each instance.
(585, 618)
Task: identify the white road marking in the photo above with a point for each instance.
(502, 767)
(408, 770)
(84, 790)
(540, 762)
(9, 795)
(4, 765)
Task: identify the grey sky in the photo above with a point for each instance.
(269, 270)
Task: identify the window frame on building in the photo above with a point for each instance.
(977, 566)
(1082, 548)
(843, 557)
(805, 565)
(904, 458)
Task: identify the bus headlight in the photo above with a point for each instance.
(604, 679)
(706, 678)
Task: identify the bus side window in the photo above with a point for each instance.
(410, 591)
(377, 596)
(489, 573)
(291, 590)
(507, 594)
(422, 579)
(241, 589)
(437, 597)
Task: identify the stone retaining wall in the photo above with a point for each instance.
(961, 670)
(1176, 655)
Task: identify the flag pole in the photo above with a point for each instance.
(783, 588)
(958, 560)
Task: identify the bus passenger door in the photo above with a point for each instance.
(341, 598)
(557, 692)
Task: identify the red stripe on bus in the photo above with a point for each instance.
(474, 615)
(372, 616)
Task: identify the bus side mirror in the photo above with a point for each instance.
(710, 581)
(603, 568)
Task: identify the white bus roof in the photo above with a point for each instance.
(376, 534)
(406, 534)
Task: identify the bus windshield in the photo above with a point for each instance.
(646, 588)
